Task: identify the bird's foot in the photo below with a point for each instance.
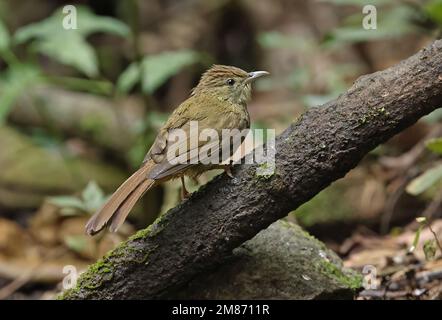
(228, 171)
(184, 193)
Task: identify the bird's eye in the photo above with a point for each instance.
(230, 82)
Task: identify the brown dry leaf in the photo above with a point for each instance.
(71, 234)
(38, 268)
(376, 257)
(43, 225)
(13, 238)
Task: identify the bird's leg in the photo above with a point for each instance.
(228, 171)
(184, 192)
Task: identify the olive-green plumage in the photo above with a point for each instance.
(219, 101)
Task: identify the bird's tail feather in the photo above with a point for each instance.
(120, 215)
(118, 206)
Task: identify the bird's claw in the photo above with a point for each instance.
(184, 193)
(228, 171)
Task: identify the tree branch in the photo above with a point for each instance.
(318, 149)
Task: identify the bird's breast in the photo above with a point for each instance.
(237, 117)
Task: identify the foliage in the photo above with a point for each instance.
(429, 246)
(433, 9)
(4, 37)
(393, 21)
(90, 200)
(76, 243)
(430, 176)
(425, 180)
(129, 78)
(70, 47)
(334, 77)
(16, 80)
(422, 222)
(146, 136)
(154, 70)
(435, 145)
(430, 249)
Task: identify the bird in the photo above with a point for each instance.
(219, 101)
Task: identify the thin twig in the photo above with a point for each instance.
(19, 282)
(435, 237)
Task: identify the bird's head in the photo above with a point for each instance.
(228, 83)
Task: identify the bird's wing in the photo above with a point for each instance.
(189, 155)
(181, 119)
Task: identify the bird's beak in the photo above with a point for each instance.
(255, 75)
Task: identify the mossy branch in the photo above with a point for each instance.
(318, 149)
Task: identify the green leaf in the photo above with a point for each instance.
(35, 30)
(100, 87)
(70, 212)
(434, 10)
(417, 236)
(93, 197)
(76, 243)
(433, 117)
(15, 80)
(129, 78)
(435, 145)
(157, 69)
(391, 23)
(67, 202)
(89, 23)
(72, 50)
(280, 40)
(4, 37)
(425, 180)
(69, 46)
(430, 249)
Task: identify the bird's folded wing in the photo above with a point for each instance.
(188, 155)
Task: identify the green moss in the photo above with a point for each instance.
(92, 279)
(286, 224)
(129, 253)
(151, 231)
(96, 275)
(102, 271)
(264, 167)
(306, 235)
(372, 114)
(363, 120)
(349, 279)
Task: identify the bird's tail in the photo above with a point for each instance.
(118, 206)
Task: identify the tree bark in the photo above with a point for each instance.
(318, 149)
